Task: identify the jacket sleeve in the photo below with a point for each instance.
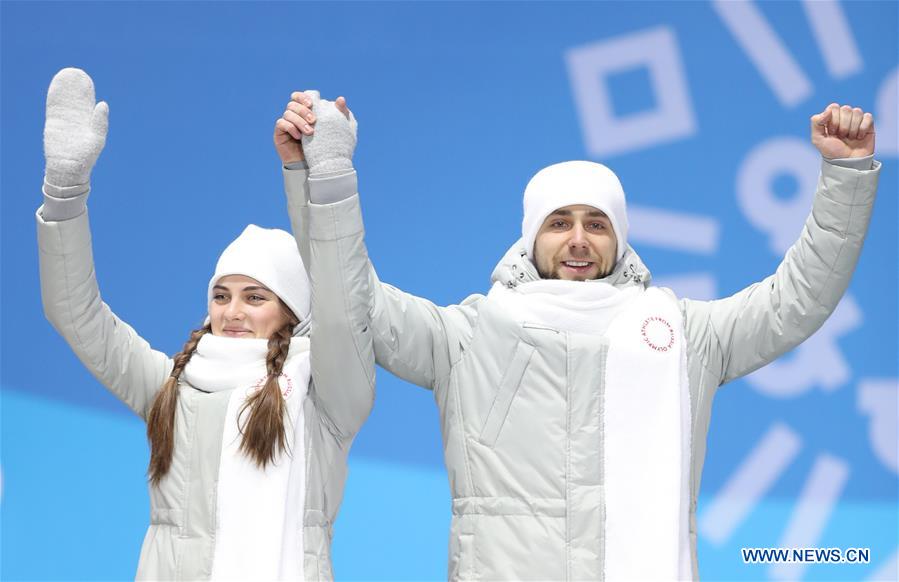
(742, 333)
(296, 187)
(112, 351)
(342, 359)
(410, 336)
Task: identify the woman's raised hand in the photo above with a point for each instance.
(318, 130)
(74, 130)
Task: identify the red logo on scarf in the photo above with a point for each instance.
(657, 333)
(286, 389)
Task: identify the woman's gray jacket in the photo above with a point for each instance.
(519, 404)
(182, 508)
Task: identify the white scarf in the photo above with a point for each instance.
(646, 415)
(259, 513)
(578, 306)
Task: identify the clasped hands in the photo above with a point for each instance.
(329, 150)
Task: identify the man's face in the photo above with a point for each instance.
(575, 243)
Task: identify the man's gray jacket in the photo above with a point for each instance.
(519, 403)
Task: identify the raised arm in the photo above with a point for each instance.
(412, 338)
(74, 135)
(341, 354)
(289, 129)
(742, 333)
(409, 335)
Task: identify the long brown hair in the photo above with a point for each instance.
(263, 434)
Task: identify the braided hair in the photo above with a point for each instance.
(161, 419)
(263, 434)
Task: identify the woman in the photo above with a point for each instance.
(248, 435)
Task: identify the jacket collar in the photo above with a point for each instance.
(515, 268)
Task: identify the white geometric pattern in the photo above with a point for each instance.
(605, 133)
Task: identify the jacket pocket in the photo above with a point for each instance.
(540, 326)
(508, 387)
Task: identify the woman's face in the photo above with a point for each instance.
(243, 307)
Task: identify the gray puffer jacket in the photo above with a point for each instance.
(180, 541)
(520, 404)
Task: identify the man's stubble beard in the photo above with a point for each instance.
(554, 276)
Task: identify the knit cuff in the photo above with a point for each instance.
(298, 165)
(331, 187)
(64, 203)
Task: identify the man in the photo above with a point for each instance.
(574, 397)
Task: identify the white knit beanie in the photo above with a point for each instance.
(270, 256)
(570, 183)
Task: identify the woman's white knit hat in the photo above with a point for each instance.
(570, 183)
(270, 256)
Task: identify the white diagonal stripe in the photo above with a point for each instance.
(680, 231)
(765, 49)
(699, 286)
(749, 483)
(816, 502)
(834, 37)
(889, 569)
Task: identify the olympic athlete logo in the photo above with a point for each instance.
(286, 386)
(657, 333)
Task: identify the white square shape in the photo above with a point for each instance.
(606, 133)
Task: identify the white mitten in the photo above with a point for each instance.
(75, 129)
(330, 148)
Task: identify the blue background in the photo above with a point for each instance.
(458, 105)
